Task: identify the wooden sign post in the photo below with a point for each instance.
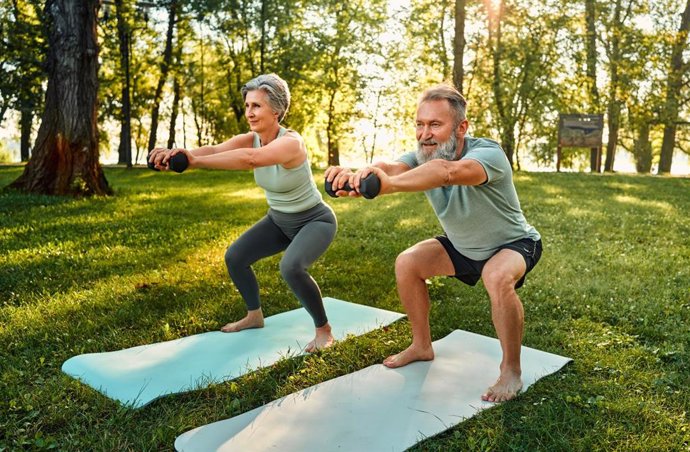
(583, 131)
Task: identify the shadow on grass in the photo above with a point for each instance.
(82, 242)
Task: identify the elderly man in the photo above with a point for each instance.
(469, 184)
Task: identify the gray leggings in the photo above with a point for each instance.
(304, 236)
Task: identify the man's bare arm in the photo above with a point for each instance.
(392, 168)
(438, 173)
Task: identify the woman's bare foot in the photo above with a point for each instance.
(254, 319)
(506, 387)
(323, 339)
(410, 354)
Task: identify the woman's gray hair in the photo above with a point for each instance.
(447, 92)
(275, 87)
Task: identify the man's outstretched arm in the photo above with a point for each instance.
(435, 173)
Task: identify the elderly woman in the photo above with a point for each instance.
(298, 221)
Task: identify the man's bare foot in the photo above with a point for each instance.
(410, 354)
(254, 319)
(323, 339)
(506, 387)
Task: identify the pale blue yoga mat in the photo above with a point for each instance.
(376, 408)
(136, 376)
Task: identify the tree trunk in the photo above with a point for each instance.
(643, 150)
(165, 68)
(199, 123)
(459, 45)
(65, 158)
(508, 142)
(262, 44)
(614, 107)
(503, 105)
(614, 113)
(591, 43)
(25, 140)
(124, 150)
(369, 156)
(442, 39)
(333, 148)
(3, 110)
(175, 111)
(675, 81)
(199, 107)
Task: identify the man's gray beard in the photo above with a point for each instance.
(445, 150)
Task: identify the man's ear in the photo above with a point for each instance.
(462, 128)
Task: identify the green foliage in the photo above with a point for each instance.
(144, 43)
(356, 68)
(146, 265)
(22, 53)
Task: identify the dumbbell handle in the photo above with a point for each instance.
(178, 163)
(369, 187)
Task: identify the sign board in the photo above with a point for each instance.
(580, 130)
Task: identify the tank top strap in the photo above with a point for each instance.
(257, 141)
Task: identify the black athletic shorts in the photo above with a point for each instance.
(469, 271)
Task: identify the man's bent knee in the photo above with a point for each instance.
(498, 282)
(405, 264)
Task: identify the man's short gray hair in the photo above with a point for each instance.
(275, 87)
(447, 92)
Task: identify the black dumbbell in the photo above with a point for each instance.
(369, 187)
(178, 163)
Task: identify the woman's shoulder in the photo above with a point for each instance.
(241, 140)
(245, 137)
(292, 135)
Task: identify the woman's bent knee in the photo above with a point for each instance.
(234, 259)
(291, 270)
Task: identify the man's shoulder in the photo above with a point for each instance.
(483, 149)
(489, 154)
(476, 143)
(408, 158)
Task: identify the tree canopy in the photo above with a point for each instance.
(170, 72)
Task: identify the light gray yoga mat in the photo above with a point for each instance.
(376, 408)
(136, 376)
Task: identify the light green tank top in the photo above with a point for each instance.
(287, 190)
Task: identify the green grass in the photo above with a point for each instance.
(612, 292)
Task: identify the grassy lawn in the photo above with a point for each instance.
(612, 292)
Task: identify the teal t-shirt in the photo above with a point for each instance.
(288, 190)
(479, 219)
